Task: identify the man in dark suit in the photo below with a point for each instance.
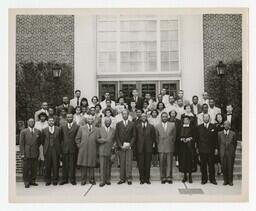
(138, 100)
(234, 120)
(196, 108)
(207, 147)
(125, 140)
(69, 108)
(227, 142)
(51, 148)
(145, 137)
(165, 138)
(69, 150)
(105, 140)
(30, 140)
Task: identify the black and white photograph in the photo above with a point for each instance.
(129, 105)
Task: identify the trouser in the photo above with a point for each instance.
(85, 170)
(126, 164)
(29, 170)
(105, 169)
(207, 160)
(51, 165)
(227, 168)
(144, 163)
(166, 166)
(69, 167)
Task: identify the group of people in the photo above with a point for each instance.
(153, 132)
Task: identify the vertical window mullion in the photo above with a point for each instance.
(158, 45)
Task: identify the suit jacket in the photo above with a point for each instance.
(206, 138)
(87, 144)
(29, 143)
(73, 102)
(199, 108)
(166, 139)
(227, 143)
(145, 139)
(213, 112)
(70, 109)
(139, 102)
(235, 122)
(56, 140)
(125, 134)
(68, 144)
(106, 141)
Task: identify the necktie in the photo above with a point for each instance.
(77, 103)
(90, 128)
(32, 131)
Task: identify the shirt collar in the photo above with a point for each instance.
(185, 125)
(31, 129)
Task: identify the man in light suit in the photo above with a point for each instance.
(106, 141)
(205, 109)
(44, 109)
(207, 147)
(213, 110)
(227, 142)
(165, 138)
(69, 150)
(165, 97)
(86, 141)
(51, 149)
(103, 104)
(30, 140)
(77, 99)
(145, 138)
(125, 140)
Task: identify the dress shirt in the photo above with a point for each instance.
(206, 125)
(164, 125)
(226, 132)
(51, 129)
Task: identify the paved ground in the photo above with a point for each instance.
(129, 193)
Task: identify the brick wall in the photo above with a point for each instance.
(222, 41)
(45, 38)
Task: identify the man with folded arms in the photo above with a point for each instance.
(125, 139)
(30, 140)
(105, 140)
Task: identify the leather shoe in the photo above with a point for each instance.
(102, 184)
(214, 182)
(184, 180)
(33, 184)
(121, 182)
(129, 182)
(27, 186)
(170, 181)
(148, 182)
(225, 183)
(54, 183)
(63, 182)
(141, 182)
(203, 182)
(47, 184)
(83, 182)
(93, 182)
(190, 180)
(231, 183)
(108, 183)
(73, 183)
(162, 182)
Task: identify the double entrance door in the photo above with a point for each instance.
(143, 87)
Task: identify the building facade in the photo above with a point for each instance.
(147, 52)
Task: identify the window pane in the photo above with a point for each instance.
(169, 45)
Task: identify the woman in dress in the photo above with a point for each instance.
(40, 125)
(160, 108)
(84, 103)
(186, 149)
(219, 127)
(78, 117)
(94, 101)
(98, 112)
